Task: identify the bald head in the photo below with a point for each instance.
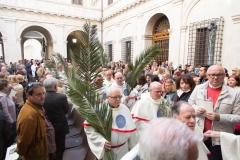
(216, 68)
(215, 75)
(155, 90)
(119, 78)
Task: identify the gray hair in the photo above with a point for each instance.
(109, 91)
(50, 83)
(176, 107)
(153, 84)
(174, 143)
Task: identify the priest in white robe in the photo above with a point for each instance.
(147, 108)
(123, 136)
(108, 81)
(119, 83)
(230, 144)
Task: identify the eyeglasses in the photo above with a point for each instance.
(116, 97)
(215, 75)
(119, 78)
(158, 92)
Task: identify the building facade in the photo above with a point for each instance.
(192, 32)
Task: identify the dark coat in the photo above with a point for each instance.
(56, 106)
(183, 97)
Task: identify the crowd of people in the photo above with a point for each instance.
(30, 97)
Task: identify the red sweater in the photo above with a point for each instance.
(213, 95)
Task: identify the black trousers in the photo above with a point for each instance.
(236, 132)
(60, 144)
(216, 153)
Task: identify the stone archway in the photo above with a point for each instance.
(161, 38)
(40, 34)
(72, 40)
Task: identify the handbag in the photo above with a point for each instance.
(50, 134)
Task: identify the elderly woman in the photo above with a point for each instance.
(7, 104)
(234, 82)
(185, 85)
(14, 83)
(169, 89)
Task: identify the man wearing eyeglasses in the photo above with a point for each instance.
(147, 108)
(123, 136)
(217, 107)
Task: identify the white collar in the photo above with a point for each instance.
(215, 87)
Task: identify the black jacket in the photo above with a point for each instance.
(56, 106)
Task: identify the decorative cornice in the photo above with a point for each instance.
(59, 14)
(236, 19)
(10, 20)
(124, 9)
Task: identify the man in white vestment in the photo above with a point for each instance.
(186, 114)
(120, 85)
(108, 81)
(123, 136)
(230, 144)
(147, 108)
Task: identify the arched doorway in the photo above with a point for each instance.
(33, 49)
(33, 36)
(72, 41)
(161, 38)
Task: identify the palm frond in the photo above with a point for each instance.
(87, 57)
(140, 63)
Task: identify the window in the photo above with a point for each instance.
(110, 2)
(127, 49)
(110, 52)
(128, 52)
(78, 2)
(205, 42)
(161, 38)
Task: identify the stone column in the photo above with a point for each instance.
(12, 54)
(117, 48)
(59, 45)
(183, 55)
